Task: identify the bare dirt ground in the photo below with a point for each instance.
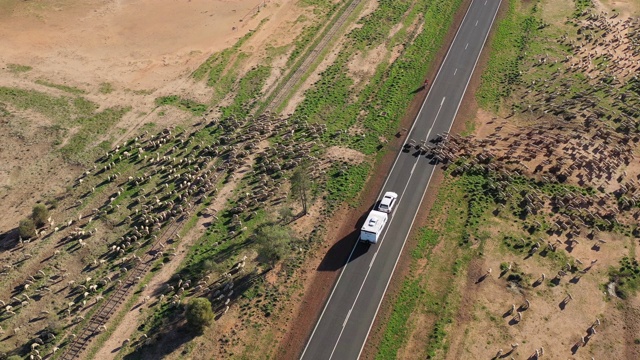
(96, 41)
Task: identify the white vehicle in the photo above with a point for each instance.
(388, 201)
(372, 228)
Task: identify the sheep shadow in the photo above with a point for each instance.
(562, 305)
(482, 278)
(513, 322)
(574, 349)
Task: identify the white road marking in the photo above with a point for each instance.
(414, 167)
(485, 2)
(476, 22)
(346, 319)
(454, 73)
(436, 118)
(466, 46)
(373, 259)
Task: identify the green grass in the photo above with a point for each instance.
(76, 150)
(61, 108)
(65, 88)
(582, 5)
(17, 68)
(626, 277)
(214, 66)
(512, 36)
(397, 329)
(249, 89)
(188, 105)
(75, 114)
(105, 88)
(345, 183)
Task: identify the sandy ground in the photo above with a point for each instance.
(95, 41)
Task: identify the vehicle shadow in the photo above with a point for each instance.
(336, 257)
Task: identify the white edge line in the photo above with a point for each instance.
(381, 190)
(429, 181)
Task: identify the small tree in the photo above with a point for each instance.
(300, 185)
(273, 242)
(40, 214)
(199, 314)
(27, 229)
(286, 213)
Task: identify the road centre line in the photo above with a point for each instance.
(346, 319)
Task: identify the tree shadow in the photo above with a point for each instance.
(8, 240)
(175, 334)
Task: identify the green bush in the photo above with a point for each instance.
(199, 314)
(273, 242)
(40, 214)
(27, 229)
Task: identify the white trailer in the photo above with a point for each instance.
(372, 228)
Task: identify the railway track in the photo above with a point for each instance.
(283, 92)
(110, 306)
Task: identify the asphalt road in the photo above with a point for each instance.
(346, 320)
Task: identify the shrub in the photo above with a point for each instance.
(199, 314)
(273, 242)
(27, 229)
(40, 214)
